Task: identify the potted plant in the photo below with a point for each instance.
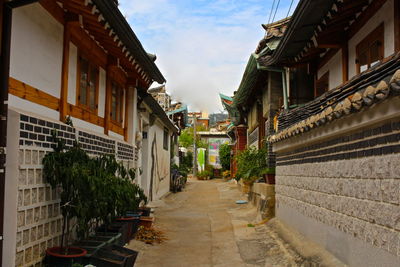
(65, 169)
(251, 166)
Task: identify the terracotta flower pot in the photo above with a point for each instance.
(57, 256)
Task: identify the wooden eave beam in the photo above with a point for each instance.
(364, 17)
(54, 9)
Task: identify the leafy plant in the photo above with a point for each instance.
(91, 189)
(186, 138)
(252, 163)
(225, 156)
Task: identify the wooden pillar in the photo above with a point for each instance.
(64, 73)
(345, 62)
(397, 25)
(127, 118)
(107, 109)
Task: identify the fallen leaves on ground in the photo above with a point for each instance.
(150, 235)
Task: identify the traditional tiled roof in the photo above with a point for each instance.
(372, 86)
(110, 12)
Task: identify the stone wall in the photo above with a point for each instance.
(38, 208)
(347, 186)
(262, 196)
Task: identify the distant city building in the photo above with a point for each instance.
(161, 96)
(201, 118)
(217, 117)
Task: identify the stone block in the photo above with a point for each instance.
(35, 157)
(20, 198)
(46, 229)
(33, 234)
(53, 227)
(43, 212)
(36, 252)
(28, 255)
(43, 247)
(34, 196)
(48, 193)
(31, 176)
(50, 211)
(373, 189)
(41, 156)
(36, 216)
(19, 239)
(390, 190)
(21, 159)
(28, 156)
(393, 242)
(21, 218)
(26, 236)
(29, 216)
(41, 196)
(39, 233)
(19, 259)
(22, 178)
(39, 176)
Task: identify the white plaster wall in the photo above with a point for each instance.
(28, 107)
(78, 123)
(102, 92)
(386, 15)
(36, 49)
(72, 73)
(334, 66)
(162, 176)
(115, 135)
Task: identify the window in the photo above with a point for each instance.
(322, 84)
(370, 50)
(165, 143)
(117, 100)
(88, 79)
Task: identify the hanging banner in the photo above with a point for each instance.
(201, 159)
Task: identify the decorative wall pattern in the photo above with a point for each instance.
(38, 218)
(351, 182)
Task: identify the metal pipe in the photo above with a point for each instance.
(285, 97)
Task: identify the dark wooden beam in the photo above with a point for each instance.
(397, 25)
(364, 17)
(345, 62)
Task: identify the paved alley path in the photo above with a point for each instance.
(206, 228)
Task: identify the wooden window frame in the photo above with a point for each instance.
(378, 34)
(78, 84)
(120, 104)
(166, 138)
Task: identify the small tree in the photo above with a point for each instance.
(225, 156)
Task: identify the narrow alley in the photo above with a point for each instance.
(205, 227)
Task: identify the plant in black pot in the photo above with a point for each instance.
(66, 170)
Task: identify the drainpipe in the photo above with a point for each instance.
(285, 84)
(4, 77)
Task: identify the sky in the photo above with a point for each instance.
(202, 46)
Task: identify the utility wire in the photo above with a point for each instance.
(277, 6)
(287, 15)
(272, 10)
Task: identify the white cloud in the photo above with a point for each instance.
(202, 51)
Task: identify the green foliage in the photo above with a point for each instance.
(91, 189)
(204, 175)
(186, 138)
(252, 163)
(225, 156)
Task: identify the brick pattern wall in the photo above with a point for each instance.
(350, 182)
(38, 219)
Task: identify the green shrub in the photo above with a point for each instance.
(225, 156)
